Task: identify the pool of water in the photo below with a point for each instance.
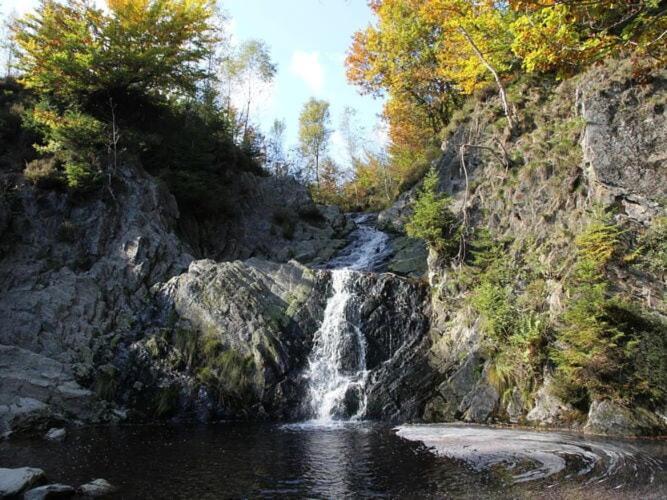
(346, 460)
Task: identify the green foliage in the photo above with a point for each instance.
(15, 140)
(604, 344)
(144, 47)
(431, 220)
(129, 82)
(166, 401)
(76, 141)
(515, 328)
(314, 133)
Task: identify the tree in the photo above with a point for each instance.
(73, 51)
(328, 192)
(431, 218)
(475, 43)
(564, 36)
(90, 66)
(276, 158)
(247, 71)
(399, 56)
(314, 133)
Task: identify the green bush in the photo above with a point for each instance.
(606, 347)
(431, 220)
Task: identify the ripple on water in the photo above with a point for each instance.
(530, 455)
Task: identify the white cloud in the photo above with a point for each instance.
(307, 66)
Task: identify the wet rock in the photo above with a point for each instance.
(14, 481)
(408, 257)
(55, 434)
(394, 217)
(50, 491)
(97, 488)
(607, 417)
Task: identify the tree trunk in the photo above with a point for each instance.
(501, 88)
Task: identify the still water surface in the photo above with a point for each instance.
(341, 461)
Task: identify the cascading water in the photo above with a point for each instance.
(336, 370)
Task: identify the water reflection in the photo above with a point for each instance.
(338, 460)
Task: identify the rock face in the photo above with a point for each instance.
(273, 218)
(247, 321)
(606, 417)
(14, 481)
(74, 280)
(392, 313)
(603, 139)
(86, 297)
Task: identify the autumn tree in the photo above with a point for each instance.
(314, 133)
(90, 66)
(398, 57)
(564, 36)
(328, 191)
(148, 47)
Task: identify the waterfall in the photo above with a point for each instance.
(336, 371)
(337, 364)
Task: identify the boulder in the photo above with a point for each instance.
(613, 419)
(548, 408)
(14, 481)
(97, 488)
(50, 491)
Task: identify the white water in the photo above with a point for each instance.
(336, 370)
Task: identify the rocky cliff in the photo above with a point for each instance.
(116, 307)
(103, 305)
(591, 144)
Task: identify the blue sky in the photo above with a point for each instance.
(308, 41)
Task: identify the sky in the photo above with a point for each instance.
(308, 40)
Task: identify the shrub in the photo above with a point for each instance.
(166, 401)
(606, 347)
(653, 247)
(44, 173)
(431, 220)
